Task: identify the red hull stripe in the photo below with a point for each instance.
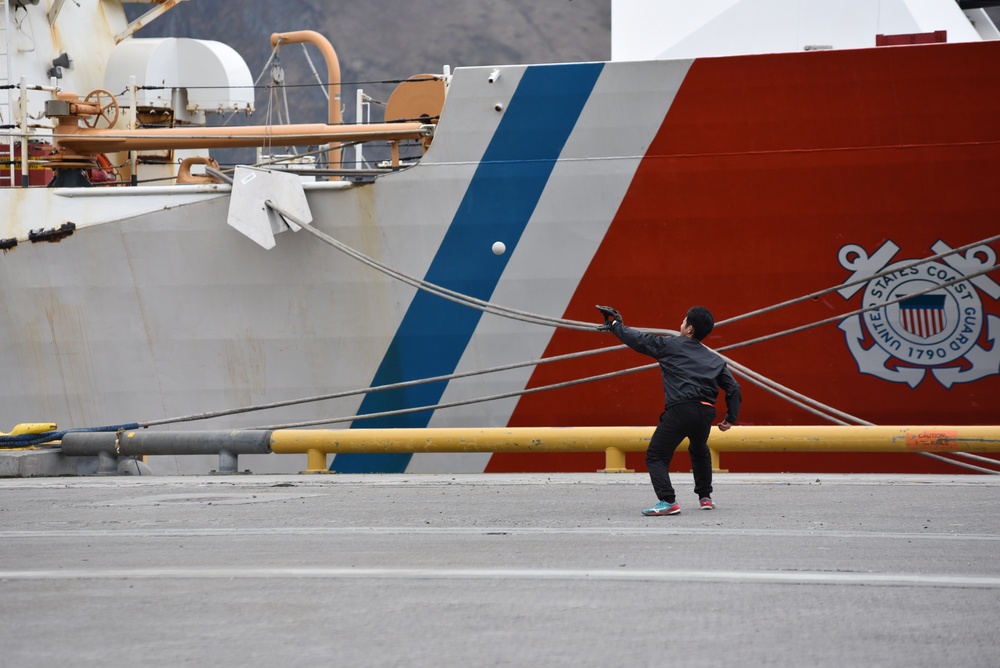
(763, 169)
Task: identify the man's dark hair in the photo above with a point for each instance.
(701, 319)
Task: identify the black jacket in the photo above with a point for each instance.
(691, 372)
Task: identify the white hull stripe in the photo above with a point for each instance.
(498, 204)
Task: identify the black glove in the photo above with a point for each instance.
(610, 317)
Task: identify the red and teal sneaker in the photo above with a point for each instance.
(663, 508)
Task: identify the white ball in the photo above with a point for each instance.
(499, 248)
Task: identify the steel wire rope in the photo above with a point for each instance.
(855, 420)
(278, 161)
(779, 390)
(757, 379)
(776, 388)
(787, 394)
(578, 325)
(453, 404)
(760, 380)
(964, 465)
(376, 388)
(752, 376)
(763, 381)
(263, 71)
(859, 281)
(969, 455)
(324, 89)
(826, 321)
(445, 293)
(808, 404)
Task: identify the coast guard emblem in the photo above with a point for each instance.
(942, 328)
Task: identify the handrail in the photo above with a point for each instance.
(102, 141)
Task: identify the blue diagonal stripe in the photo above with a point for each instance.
(497, 206)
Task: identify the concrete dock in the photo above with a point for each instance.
(498, 570)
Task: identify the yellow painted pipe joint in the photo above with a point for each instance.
(614, 462)
(316, 462)
(31, 428)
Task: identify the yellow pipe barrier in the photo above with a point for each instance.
(614, 462)
(615, 441)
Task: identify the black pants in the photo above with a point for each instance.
(692, 421)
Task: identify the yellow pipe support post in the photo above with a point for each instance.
(716, 466)
(614, 462)
(615, 441)
(316, 462)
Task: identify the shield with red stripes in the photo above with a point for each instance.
(923, 315)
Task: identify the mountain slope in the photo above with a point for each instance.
(387, 40)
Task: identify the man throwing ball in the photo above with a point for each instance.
(692, 376)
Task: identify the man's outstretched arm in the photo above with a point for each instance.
(641, 342)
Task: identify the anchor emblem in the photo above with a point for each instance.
(937, 329)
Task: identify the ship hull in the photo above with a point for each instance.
(736, 182)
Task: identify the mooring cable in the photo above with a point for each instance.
(518, 393)
(445, 293)
(520, 315)
(378, 388)
(842, 316)
(795, 398)
(811, 405)
(859, 281)
(526, 316)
